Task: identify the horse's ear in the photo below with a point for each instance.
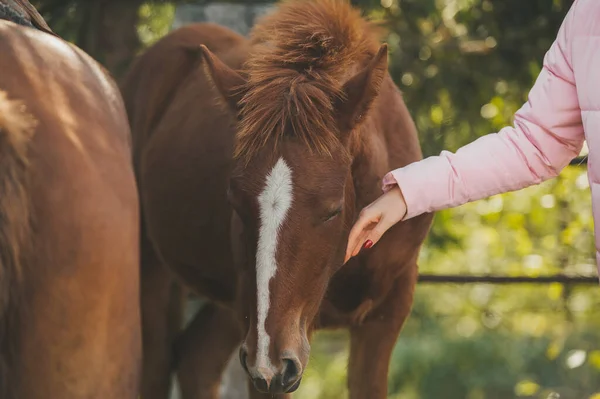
(228, 82)
(360, 91)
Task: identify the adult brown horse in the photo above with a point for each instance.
(69, 223)
(250, 204)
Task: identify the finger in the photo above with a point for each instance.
(365, 219)
(360, 240)
(354, 246)
(375, 234)
(357, 229)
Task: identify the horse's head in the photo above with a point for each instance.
(293, 198)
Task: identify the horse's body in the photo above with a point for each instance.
(69, 224)
(184, 141)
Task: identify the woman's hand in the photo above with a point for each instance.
(374, 220)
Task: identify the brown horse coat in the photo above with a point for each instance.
(312, 113)
(69, 225)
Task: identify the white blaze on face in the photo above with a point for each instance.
(274, 203)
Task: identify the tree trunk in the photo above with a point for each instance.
(108, 32)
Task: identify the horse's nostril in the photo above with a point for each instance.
(261, 384)
(291, 372)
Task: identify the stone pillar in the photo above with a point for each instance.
(239, 17)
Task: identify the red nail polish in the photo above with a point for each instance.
(368, 244)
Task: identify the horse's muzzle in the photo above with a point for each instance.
(285, 380)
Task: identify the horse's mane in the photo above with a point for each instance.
(10, 14)
(301, 56)
(23, 13)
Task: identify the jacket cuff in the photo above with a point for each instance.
(403, 180)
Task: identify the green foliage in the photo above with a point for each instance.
(465, 65)
(155, 21)
(63, 16)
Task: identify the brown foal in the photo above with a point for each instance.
(253, 158)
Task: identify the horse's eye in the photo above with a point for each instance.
(332, 215)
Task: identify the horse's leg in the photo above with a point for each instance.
(162, 303)
(371, 343)
(203, 351)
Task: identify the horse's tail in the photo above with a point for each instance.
(16, 129)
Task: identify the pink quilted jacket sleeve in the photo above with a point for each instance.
(546, 136)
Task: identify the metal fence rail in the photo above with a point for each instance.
(466, 279)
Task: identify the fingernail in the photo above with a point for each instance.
(368, 244)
